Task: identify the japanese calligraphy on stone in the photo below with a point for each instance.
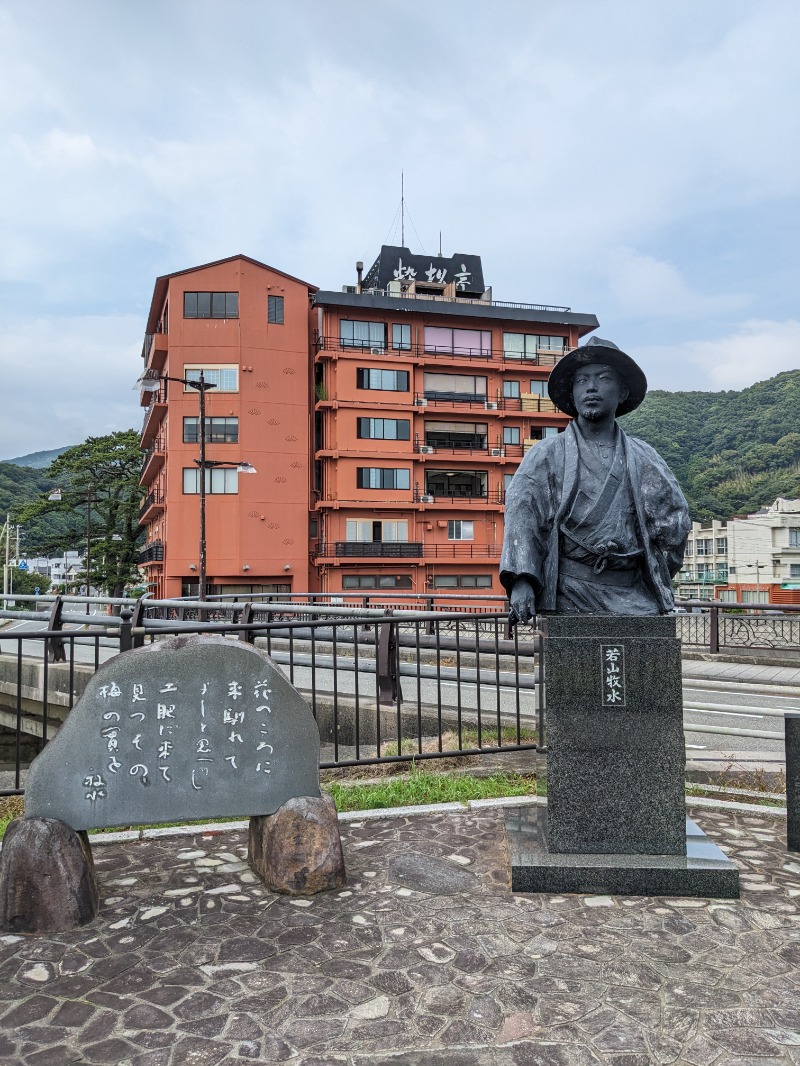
(187, 728)
(612, 668)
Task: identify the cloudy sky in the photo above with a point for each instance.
(635, 160)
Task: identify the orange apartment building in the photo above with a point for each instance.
(246, 325)
(384, 422)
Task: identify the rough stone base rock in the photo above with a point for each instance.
(298, 850)
(47, 882)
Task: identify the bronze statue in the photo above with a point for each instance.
(595, 521)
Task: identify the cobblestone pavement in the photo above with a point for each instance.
(426, 958)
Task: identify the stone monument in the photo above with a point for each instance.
(596, 527)
(185, 729)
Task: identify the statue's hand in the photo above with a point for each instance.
(523, 601)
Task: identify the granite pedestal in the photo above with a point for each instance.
(616, 814)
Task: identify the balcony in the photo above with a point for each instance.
(453, 497)
(527, 402)
(154, 351)
(354, 549)
(153, 460)
(334, 346)
(460, 449)
(451, 551)
(153, 417)
(152, 505)
(706, 577)
(153, 553)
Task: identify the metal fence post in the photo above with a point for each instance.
(137, 623)
(386, 680)
(246, 617)
(713, 631)
(125, 629)
(56, 652)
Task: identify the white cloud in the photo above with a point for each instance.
(66, 378)
(755, 351)
(643, 285)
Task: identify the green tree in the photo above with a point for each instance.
(28, 583)
(99, 485)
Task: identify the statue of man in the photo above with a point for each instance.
(595, 521)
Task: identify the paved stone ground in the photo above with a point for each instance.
(427, 958)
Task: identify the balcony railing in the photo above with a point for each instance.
(360, 549)
(153, 499)
(375, 549)
(542, 357)
(707, 577)
(461, 449)
(528, 402)
(457, 497)
(153, 553)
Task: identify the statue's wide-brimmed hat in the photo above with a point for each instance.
(559, 385)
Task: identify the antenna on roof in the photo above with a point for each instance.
(440, 244)
(402, 212)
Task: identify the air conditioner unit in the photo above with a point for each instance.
(419, 402)
(426, 449)
(426, 499)
(495, 451)
(491, 405)
(377, 351)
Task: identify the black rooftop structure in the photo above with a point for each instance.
(398, 264)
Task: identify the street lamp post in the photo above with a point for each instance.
(758, 567)
(152, 384)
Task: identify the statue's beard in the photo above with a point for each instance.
(592, 413)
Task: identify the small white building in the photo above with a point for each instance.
(751, 559)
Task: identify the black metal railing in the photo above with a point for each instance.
(153, 499)
(414, 350)
(377, 549)
(152, 553)
(460, 550)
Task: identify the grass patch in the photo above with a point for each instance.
(422, 786)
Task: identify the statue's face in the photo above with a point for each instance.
(597, 391)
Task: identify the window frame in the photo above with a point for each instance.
(367, 474)
(275, 310)
(211, 369)
(228, 300)
(400, 434)
(227, 437)
(219, 480)
(365, 373)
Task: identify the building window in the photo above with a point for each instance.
(794, 569)
(510, 434)
(506, 481)
(379, 477)
(526, 345)
(211, 305)
(364, 531)
(275, 310)
(550, 431)
(223, 378)
(689, 548)
(794, 538)
(727, 595)
(462, 581)
(384, 429)
(703, 546)
(471, 484)
(722, 545)
(376, 581)
(401, 336)
(511, 390)
(460, 530)
(458, 388)
(220, 480)
(755, 596)
(353, 334)
(386, 380)
(218, 430)
(456, 435)
(472, 343)
(538, 388)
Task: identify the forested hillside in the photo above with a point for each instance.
(732, 452)
(40, 460)
(47, 533)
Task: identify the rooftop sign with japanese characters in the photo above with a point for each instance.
(398, 264)
(186, 728)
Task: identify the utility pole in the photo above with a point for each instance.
(6, 564)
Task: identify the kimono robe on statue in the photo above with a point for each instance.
(595, 530)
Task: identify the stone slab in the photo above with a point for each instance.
(791, 725)
(298, 850)
(616, 751)
(424, 873)
(184, 729)
(704, 870)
